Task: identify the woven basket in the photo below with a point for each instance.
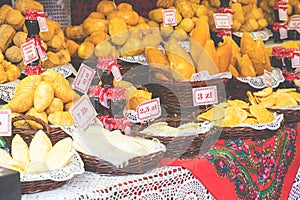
(290, 116)
(55, 134)
(181, 146)
(137, 165)
(176, 97)
(242, 133)
(236, 89)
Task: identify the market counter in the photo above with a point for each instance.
(231, 170)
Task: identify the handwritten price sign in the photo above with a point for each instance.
(223, 20)
(84, 78)
(29, 52)
(5, 123)
(294, 23)
(296, 60)
(149, 110)
(83, 112)
(169, 17)
(205, 95)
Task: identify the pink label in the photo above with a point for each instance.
(42, 53)
(42, 23)
(5, 123)
(149, 110)
(169, 17)
(223, 20)
(268, 78)
(29, 52)
(296, 60)
(116, 72)
(282, 14)
(84, 78)
(205, 95)
(83, 112)
(283, 33)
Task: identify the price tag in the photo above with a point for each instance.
(283, 33)
(294, 23)
(149, 110)
(29, 52)
(84, 78)
(296, 60)
(201, 76)
(116, 72)
(223, 20)
(5, 122)
(83, 112)
(42, 53)
(42, 21)
(268, 78)
(205, 95)
(169, 17)
(283, 14)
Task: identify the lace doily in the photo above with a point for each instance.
(141, 59)
(264, 34)
(295, 191)
(159, 184)
(7, 90)
(258, 82)
(274, 125)
(62, 174)
(205, 76)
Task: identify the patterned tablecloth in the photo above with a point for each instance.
(159, 184)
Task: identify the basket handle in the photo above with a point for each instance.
(154, 70)
(29, 117)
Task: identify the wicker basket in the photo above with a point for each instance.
(236, 89)
(290, 116)
(137, 165)
(55, 134)
(181, 146)
(177, 97)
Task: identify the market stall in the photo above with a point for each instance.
(180, 99)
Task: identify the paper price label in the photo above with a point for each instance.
(83, 79)
(29, 52)
(282, 14)
(201, 76)
(116, 72)
(42, 53)
(294, 23)
(42, 22)
(169, 17)
(223, 20)
(149, 110)
(268, 78)
(283, 33)
(296, 60)
(205, 95)
(83, 112)
(5, 122)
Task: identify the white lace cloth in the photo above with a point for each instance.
(159, 184)
(295, 191)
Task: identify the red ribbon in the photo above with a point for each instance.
(223, 32)
(291, 53)
(280, 5)
(39, 42)
(278, 25)
(116, 93)
(106, 63)
(226, 10)
(32, 14)
(114, 124)
(32, 70)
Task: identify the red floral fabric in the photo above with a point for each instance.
(249, 169)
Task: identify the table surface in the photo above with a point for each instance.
(161, 183)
